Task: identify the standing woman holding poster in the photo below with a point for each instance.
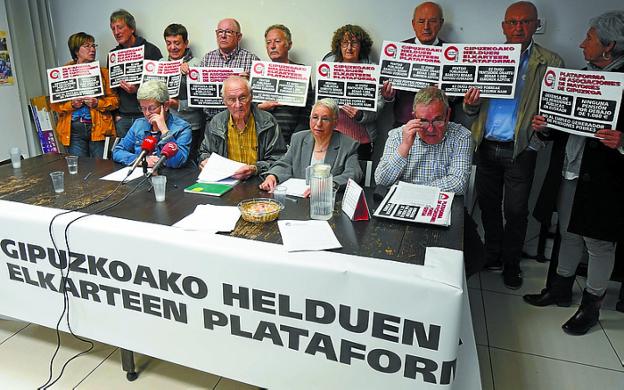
(84, 123)
(587, 189)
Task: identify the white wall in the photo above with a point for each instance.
(313, 22)
(12, 129)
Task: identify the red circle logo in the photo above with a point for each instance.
(549, 78)
(149, 66)
(390, 50)
(259, 68)
(324, 70)
(113, 58)
(451, 53)
(54, 74)
(193, 74)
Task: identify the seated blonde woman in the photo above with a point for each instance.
(321, 144)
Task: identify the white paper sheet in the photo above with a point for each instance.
(295, 187)
(120, 174)
(218, 168)
(307, 235)
(415, 194)
(210, 218)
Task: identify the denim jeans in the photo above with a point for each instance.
(503, 185)
(80, 143)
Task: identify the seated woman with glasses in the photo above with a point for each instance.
(351, 44)
(157, 122)
(320, 144)
(84, 123)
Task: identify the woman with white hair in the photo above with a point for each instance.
(321, 144)
(158, 122)
(586, 188)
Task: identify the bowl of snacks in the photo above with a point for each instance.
(260, 210)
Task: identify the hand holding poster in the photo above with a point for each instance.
(491, 68)
(166, 71)
(284, 83)
(75, 81)
(409, 67)
(581, 102)
(346, 83)
(126, 64)
(203, 85)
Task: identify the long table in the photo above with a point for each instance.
(370, 314)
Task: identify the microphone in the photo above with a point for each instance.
(147, 147)
(169, 150)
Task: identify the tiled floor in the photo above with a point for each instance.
(520, 347)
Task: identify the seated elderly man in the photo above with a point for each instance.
(321, 144)
(242, 132)
(158, 122)
(428, 149)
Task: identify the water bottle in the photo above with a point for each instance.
(321, 187)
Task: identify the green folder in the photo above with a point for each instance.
(214, 189)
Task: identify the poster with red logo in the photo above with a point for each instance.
(166, 71)
(408, 66)
(353, 84)
(284, 83)
(126, 64)
(581, 102)
(203, 85)
(491, 68)
(75, 81)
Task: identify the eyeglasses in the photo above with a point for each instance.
(430, 21)
(345, 44)
(151, 109)
(324, 119)
(90, 46)
(436, 123)
(523, 23)
(232, 100)
(228, 33)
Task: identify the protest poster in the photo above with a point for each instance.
(203, 85)
(492, 68)
(166, 71)
(347, 83)
(126, 64)
(6, 69)
(408, 66)
(75, 81)
(284, 83)
(581, 102)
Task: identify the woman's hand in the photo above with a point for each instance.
(130, 88)
(610, 138)
(151, 160)
(539, 123)
(387, 91)
(472, 97)
(269, 183)
(350, 111)
(306, 193)
(269, 105)
(184, 68)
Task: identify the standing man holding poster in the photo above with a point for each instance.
(507, 146)
(291, 119)
(228, 54)
(123, 26)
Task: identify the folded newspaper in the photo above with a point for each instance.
(413, 210)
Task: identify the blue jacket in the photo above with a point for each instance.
(129, 147)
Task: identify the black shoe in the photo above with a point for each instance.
(585, 317)
(512, 281)
(559, 293)
(494, 265)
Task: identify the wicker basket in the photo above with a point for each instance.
(260, 210)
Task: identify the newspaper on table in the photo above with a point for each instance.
(409, 66)
(203, 85)
(346, 83)
(414, 211)
(126, 64)
(491, 68)
(284, 83)
(166, 71)
(581, 102)
(75, 81)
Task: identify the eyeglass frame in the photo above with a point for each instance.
(228, 33)
(522, 23)
(150, 109)
(243, 99)
(353, 43)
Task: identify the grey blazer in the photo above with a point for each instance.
(341, 155)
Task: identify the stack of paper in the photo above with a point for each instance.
(295, 187)
(210, 218)
(307, 235)
(400, 205)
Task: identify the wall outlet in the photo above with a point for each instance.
(542, 27)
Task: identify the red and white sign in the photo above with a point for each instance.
(203, 85)
(285, 83)
(581, 102)
(166, 71)
(75, 81)
(126, 64)
(346, 83)
(408, 66)
(491, 68)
